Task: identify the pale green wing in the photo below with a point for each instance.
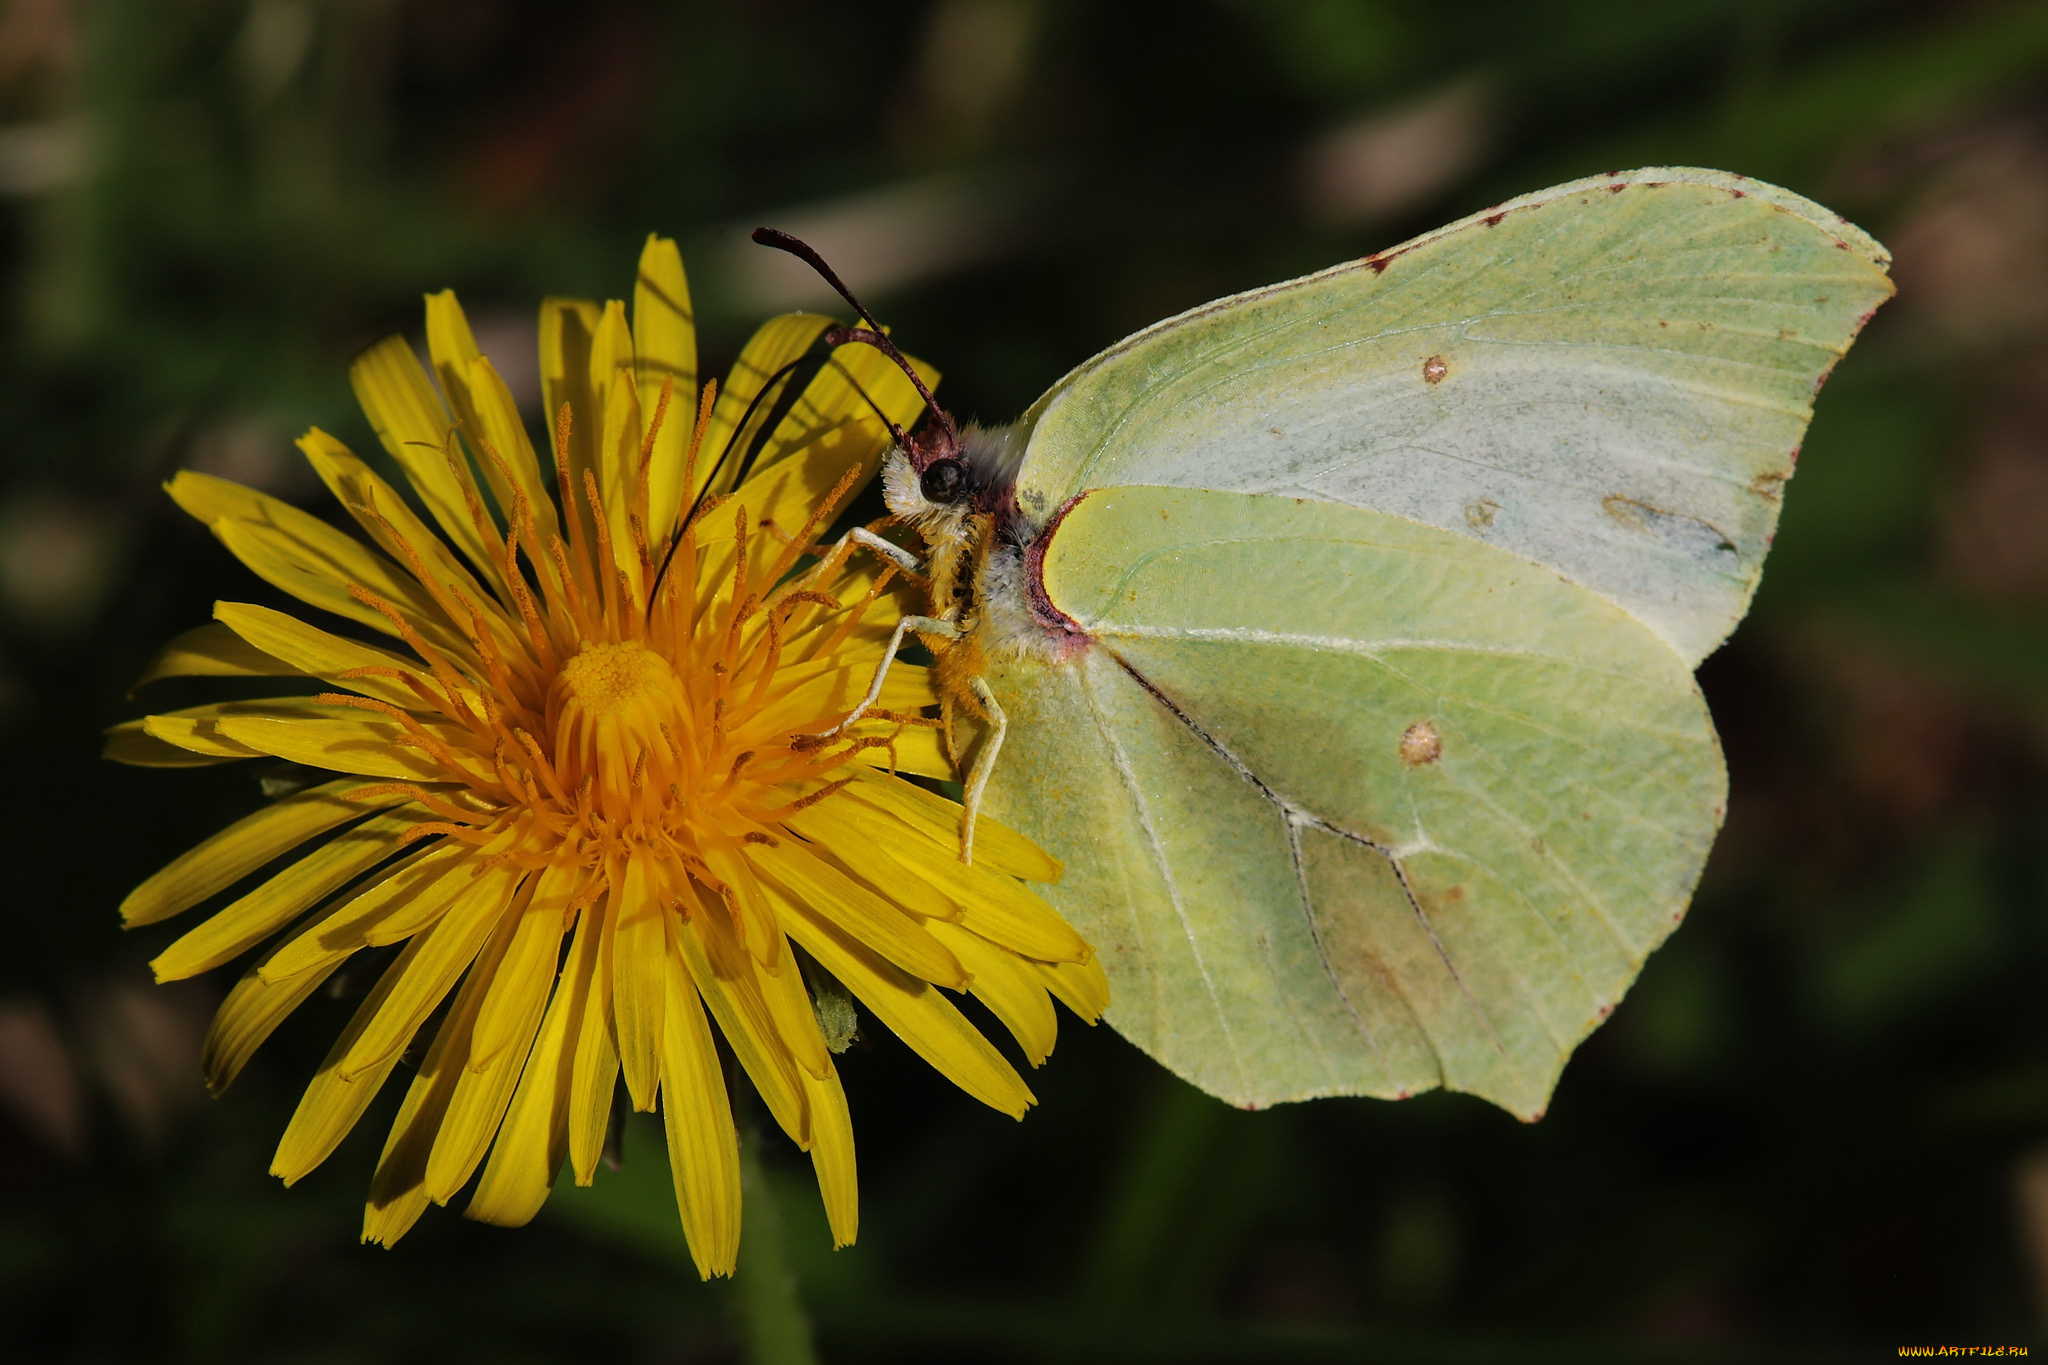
(1286, 905)
(1611, 377)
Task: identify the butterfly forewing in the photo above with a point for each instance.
(1611, 378)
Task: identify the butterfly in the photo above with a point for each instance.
(1339, 635)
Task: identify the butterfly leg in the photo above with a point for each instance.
(887, 549)
(924, 625)
(984, 764)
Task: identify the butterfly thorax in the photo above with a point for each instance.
(975, 540)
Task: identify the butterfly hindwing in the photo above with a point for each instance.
(1352, 805)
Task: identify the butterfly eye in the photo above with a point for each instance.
(942, 481)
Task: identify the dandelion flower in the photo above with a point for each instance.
(580, 791)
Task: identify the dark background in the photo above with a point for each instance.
(1817, 1128)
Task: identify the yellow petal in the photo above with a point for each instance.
(594, 1067)
(834, 398)
(782, 499)
(535, 1134)
(391, 1211)
(196, 729)
(451, 350)
(441, 953)
(271, 906)
(309, 559)
(333, 1102)
(883, 927)
(639, 949)
(832, 1156)
(450, 343)
(853, 846)
(213, 651)
(474, 1116)
(394, 907)
(997, 847)
(131, 743)
(908, 687)
(1000, 909)
(831, 429)
(1006, 983)
(389, 521)
(485, 409)
(703, 1146)
(817, 636)
(794, 1016)
(665, 350)
(778, 342)
(725, 977)
(400, 1189)
(252, 1010)
(1080, 986)
(807, 690)
(997, 907)
(913, 1010)
(244, 846)
(309, 651)
(568, 330)
(912, 749)
(342, 744)
(483, 405)
(613, 385)
(803, 693)
(502, 432)
(394, 1207)
(419, 433)
(611, 348)
(517, 990)
(528, 968)
(619, 456)
(757, 922)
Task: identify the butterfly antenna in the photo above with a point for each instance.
(839, 336)
(746, 464)
(874, 336)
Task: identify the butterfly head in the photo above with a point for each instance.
(939, 475)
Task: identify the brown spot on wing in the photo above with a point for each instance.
(1421, 745)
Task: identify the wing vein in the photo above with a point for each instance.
(1129, 778)
(1315, 934)
(1291, 811)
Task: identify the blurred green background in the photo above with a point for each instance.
(1818, 1127)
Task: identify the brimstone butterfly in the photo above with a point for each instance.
(1339, 635)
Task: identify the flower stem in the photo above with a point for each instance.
(773, 1327)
